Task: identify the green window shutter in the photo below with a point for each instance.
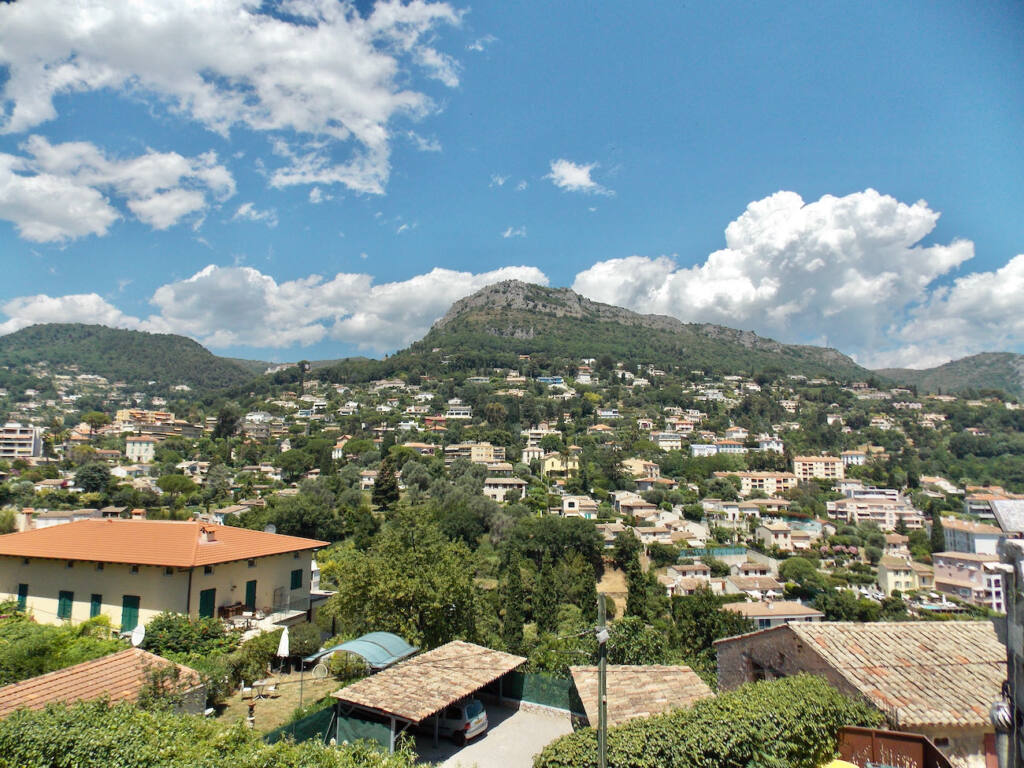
(250, 595)
(64, 602)
(129, 612)
(22, 596)
(95, 605)
(297, 578)
(207, 601)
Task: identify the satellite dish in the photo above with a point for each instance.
(138, 635)
(270, 528)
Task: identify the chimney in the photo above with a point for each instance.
(206, 535)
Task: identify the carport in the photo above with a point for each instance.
(410, 692)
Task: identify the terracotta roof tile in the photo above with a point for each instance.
(418, 687)
(921, 673)
(639, 691)
(119, 676)
(150, 542)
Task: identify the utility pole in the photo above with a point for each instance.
(602, 685)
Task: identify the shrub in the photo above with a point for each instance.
(177, 633)
(93, 735)
(793, 722)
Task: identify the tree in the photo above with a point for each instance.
(938, 536)
(218, 484)
(175, 486)
(512, 597)
(662, 554)
(385, 487)
(95, 420)
(631, 641)
(93, 478)
(227, 421)
(412, 581)
(546, 597)
(626, 549)
(636, 584)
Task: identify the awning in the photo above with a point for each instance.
(379, 649)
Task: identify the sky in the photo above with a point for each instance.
(313, 179)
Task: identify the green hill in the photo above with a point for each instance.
(500, 322)
(988, 370)
(134, 357)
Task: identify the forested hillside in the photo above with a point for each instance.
(134, 357)
(988, 370)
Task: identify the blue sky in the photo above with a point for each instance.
(322, 179)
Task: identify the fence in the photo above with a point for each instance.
(713, 551)
(554, 692)
(323, 725)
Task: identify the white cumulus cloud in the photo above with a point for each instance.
(848, 271)
(238, 306)
(56, 192)
(317, 68)
(249, 212)
(575, 177)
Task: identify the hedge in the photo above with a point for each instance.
(93, 735)
(792, 722)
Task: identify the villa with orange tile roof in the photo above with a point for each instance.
(131, 570)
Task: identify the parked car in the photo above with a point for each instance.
(462, 721)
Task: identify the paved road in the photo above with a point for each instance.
(511, 740)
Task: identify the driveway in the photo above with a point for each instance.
(511, 740)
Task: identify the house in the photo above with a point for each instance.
(754, 587)
(497, 488)
(477, 453)
(644, 484)
(30, 519)
(968, 536)
(638, 691)
(853, 458)
(902, 574)
(118, 677)
(818, 467)
(769, 483)
(772, 613)
(770, 444)
(558, 465)
(667, 441)
(775, 534)
(897, 545)
(579, 506)
(974, 578)
(641, 468)
(131, 570)
(703, 449)
(367, 479)
(730, 446)
(937, 679)
(531, 454)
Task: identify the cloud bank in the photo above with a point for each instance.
(850, 272)
(316, 71)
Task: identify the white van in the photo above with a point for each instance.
(462, 721)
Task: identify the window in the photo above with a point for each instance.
(22, 596)
(168, 571)
(251, 563)
(95, 605)
(99, 566)
(129, 612)
(64, 602)
(70, 564)
(297, 578)
(207, 569)
(134, 569)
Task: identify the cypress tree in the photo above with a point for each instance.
(938, 539)
(512, 604)
(546, 597)
(385, 487)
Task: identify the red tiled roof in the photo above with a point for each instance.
(119, 676)
(150, 542)
(639, 691)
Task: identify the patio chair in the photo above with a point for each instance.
(246, 691)
(271, 690)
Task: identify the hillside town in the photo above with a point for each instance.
(855, 516)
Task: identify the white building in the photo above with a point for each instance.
(140, 449)
(20, 442)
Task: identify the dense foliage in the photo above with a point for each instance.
(120, 355)
(792, 722)
(28, 649)
(93, 735)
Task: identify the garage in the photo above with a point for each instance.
(423, 687)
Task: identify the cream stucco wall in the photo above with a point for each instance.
(157, 589)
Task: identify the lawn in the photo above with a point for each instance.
(275, 711)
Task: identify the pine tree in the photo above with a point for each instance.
(938, 538)
(385, 486)
(512, 604)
